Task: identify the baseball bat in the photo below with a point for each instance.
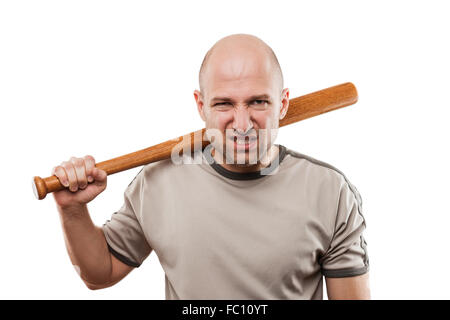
(300, 108)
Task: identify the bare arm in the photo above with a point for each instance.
(349, 288)
(88, 250)
(86, 244)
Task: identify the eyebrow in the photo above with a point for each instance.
(252, 98)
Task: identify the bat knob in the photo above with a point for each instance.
(39, 188)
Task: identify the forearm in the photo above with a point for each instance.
(86, 245)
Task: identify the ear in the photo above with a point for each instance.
(284, 103)
(199, 101)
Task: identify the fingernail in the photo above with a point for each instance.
(65, 183)
(90, 179)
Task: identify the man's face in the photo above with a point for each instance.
(241, 102)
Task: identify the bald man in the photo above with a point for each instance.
(252, 220)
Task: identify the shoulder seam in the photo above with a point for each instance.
(355, 192)
(136, 176)
(299, 155)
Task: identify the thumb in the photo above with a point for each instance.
(99, 175)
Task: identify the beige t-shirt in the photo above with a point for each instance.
(219, 234)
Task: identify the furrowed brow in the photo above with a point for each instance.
(259, 97)
(263, 96)
(223, 99)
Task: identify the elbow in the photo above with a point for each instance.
(96, 282)
(92, 286)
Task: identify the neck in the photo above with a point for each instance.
(265, 161)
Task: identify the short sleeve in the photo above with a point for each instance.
(123, 233)
(347, 254)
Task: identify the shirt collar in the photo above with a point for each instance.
(245, 175)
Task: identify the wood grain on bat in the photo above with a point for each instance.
(300, 108)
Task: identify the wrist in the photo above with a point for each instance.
(73, 210)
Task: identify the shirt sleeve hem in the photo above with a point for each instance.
(343, 273)
(122, 258)
(116, 254)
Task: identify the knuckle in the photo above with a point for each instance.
(57, 170)
(66, 165)
(89, 164)
(77, 162)
(68, 169)
(89, 158)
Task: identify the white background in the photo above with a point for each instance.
(111, 77)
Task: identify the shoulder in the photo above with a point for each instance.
(324, 177)
(319, 170)
(160, 170)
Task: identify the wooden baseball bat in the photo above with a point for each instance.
(300, 108)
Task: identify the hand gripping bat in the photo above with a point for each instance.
(300, 108)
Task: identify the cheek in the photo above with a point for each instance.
(219, 120)
(264, 119)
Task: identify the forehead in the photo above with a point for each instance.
(239, 74)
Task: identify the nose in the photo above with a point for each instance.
(242, 122)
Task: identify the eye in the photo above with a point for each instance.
(222, 106)
(259, 103)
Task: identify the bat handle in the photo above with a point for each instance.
(47, 185)
(43, 186)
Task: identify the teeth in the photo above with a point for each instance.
(241, 141)
(238, 141)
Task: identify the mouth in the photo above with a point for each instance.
(243, 143)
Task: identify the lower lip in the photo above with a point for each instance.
(245, 146)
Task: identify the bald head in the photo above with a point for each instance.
(236, 51)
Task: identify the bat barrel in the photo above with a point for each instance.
(319, 102)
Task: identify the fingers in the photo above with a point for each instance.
(71, 175)
(78, 172)
(61, 174)
(89, 164)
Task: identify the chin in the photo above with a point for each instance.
(246, 159)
